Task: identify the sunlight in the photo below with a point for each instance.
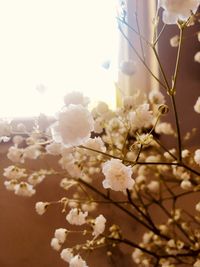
(54, 46)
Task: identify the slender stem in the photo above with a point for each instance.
(94, 189)
(164, 148)
(161, 67)
(159, 35)
(148, 218)
(177, 128)
(134, 30)
(140, 58)
(138, 27)
(174, 80)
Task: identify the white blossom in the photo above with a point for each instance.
(198, 36)
(117, 175)
(197, 263)
(41, 207)
(76, 216)
(197, 207)
(5, 128)
(197, 105)
(154, 186)
(96, 144)
(137, 255)
(77, 261)
(21, 127)
(13, 172)
(197, 57)
(197, 156)
(175, 10)
(11, 184)
(76, 98)
(24, 189)
(36, 178)
(174, 41)
(135, 100)
(141, 117)
(66, 254)
(73, 127)
(185, 153)
(128, 67)
(17, 139)
(99, 225)
(61, 234)
(55, 244)
(32, 152)
(186, 185)
(15, 154)
(54, 148)
(101, 108)
(164, 128)
(156, 97)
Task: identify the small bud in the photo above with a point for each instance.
(163, 109)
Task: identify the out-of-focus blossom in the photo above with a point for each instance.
(175, 10)
(197, 105)
(74, 126)
(76, 98)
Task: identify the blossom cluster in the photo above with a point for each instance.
(117, 158)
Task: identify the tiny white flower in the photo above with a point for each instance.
(154, 186)
(198, 36)
(197, 156)
(197, 263)
(77, 261)
(36, 178)
(197, 207)
(141, 118)
(101, 108)
(15, 154)
(24, 189)
(32, 152)
(21, 128)
(186, 185)
(61, 234)
(174, 41)
(128, 67)
(17, 139)
(137, 255)
(66, 254)
(135, 100)
(55, 244)
(74, 126)
(13, 172)
(156, 97)
(76, 98)
(41, 207)
(197, 105)
(117, 175)
(185, 153)
(10, 185)
(164, 128)
(96, 144)
(54, 148)
(197, 57)
(76, 216)
(175, 10)
(5, 128)
(99, 225)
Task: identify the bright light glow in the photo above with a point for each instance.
(56, 43)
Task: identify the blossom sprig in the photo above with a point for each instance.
(117, 158)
